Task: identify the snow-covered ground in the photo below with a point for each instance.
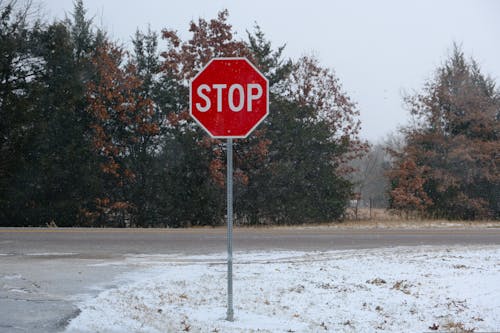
(403, 289)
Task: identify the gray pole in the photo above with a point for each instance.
(229, 185)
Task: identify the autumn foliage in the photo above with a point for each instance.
(449, 166)
(184, 59)
(121, 118)
(92, 134)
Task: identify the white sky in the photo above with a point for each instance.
(379, 49)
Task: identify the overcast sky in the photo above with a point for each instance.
(378, 49)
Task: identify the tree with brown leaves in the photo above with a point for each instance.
(452, 151)
(122, 122)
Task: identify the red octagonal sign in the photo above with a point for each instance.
(229, 98)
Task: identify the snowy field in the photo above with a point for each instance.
(404, 289)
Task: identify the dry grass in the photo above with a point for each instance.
(457, 327)
(382, 218)
(371, 214)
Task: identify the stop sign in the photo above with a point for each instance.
(229, 97)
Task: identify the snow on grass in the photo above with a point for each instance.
(401, 289)
(51, 254)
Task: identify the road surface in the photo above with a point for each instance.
(45, 272)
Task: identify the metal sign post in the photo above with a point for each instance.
(229, 185)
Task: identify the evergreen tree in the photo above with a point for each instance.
(20, 70)
(298, 182)
(66, 164)
(55, 181)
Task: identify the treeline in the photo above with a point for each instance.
(92, 134)
(445, 163)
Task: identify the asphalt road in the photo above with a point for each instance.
(116, 242)
(44, 273)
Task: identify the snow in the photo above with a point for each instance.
(51, 254)
(398, 289)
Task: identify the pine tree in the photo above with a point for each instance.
(20, 71)
(54, 181)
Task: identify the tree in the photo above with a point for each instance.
(452, 150)
(81, 32)
(123, 124)
(408, 194)
(312, 134)
(298, 180)
(147, 192)
(271, 62)
(319, 89)
(20, 67)
(210, 39)
(59, 156)
(55, 182)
